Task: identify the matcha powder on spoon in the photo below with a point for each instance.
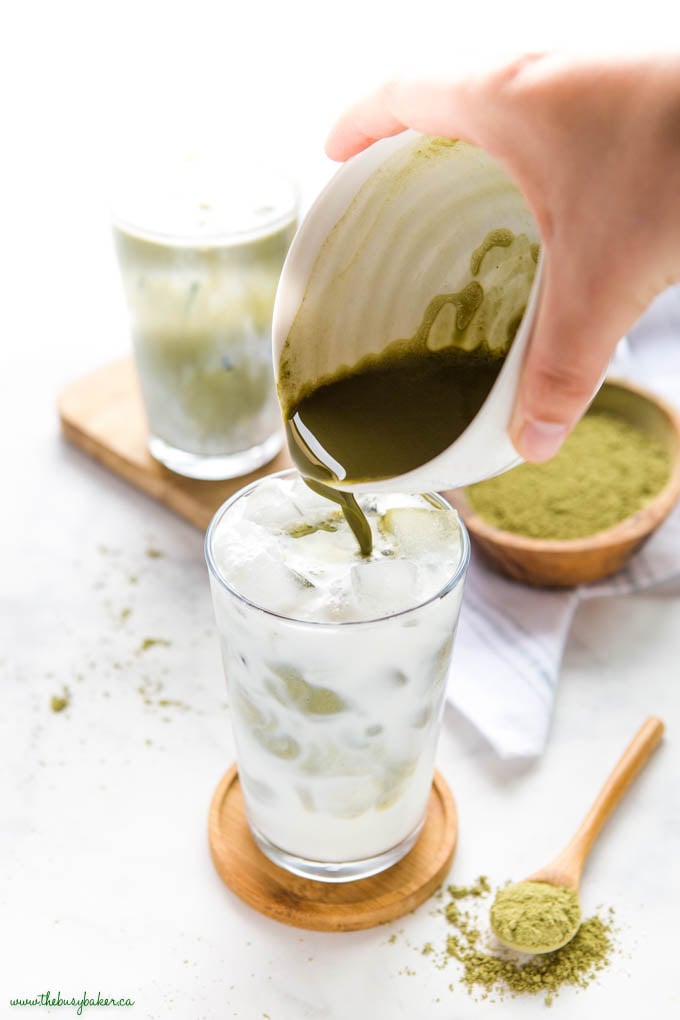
(535, 917)
(492, 972)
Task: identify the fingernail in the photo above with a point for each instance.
(540, 440)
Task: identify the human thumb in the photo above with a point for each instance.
(569, 349)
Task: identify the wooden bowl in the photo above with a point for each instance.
(563, 563)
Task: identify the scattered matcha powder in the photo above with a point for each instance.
(58, 702)
(173, 703)
(152, 642)
(330, 523)
(499, 972)
(481, 888)
(150, 690)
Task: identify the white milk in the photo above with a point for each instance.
(336, 667)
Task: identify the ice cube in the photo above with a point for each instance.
(384, 586)
(418, 531)
(239, 541)
(292, 690)
(337, 604)
(271, 505)
(306, 798)
(255, 788)
(353, 801)
(327, 546)
(249, 557)
(240, 547)
(282, 589)
(369, 504)
(327, 601)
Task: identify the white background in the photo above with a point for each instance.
(105, 880)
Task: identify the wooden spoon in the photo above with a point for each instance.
(565, 870)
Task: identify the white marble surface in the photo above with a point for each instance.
(105, 877)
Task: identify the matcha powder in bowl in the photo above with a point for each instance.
(606, 471)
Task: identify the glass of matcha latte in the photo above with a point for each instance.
(200, 252)
(336, 661)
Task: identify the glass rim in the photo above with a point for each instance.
(214, 570)
(225, 238)
(274, 188)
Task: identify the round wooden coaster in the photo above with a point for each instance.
(323, 906)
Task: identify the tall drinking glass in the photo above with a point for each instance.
(336, 668)
(200, 247)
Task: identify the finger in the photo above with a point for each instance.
(361, 126)
(432, 107)
(570, 348)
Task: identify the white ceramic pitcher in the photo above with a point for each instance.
(389, 232)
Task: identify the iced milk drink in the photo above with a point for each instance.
(200, 250)
(336, 667)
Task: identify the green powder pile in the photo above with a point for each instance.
(606, 471)
(535, 917)
(152, 642)
(58, 702)
(495, 971)
(482, 887)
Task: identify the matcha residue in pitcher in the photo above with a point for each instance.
(398, 409)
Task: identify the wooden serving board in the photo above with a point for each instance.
(324, 906)
(103, 414)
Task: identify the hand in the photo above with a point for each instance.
(594, 145)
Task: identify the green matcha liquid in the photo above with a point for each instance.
(394, 411)
(391, 417)
(385, 421)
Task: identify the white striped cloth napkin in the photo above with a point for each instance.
(511, 638)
